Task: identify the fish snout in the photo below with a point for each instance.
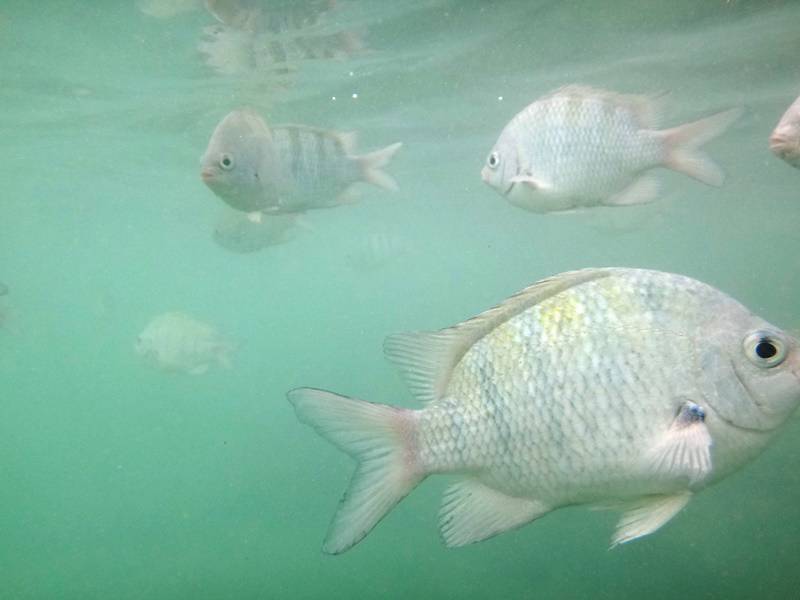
(485, 175)
(207, 175)
(777, 142)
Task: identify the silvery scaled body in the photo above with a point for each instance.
(580, 147)
(621, 388)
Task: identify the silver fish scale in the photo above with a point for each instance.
(560, 400)
(584, 145)
(315, 167)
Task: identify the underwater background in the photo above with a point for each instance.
(121, 481)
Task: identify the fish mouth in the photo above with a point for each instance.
(776, 142)
(207, 175)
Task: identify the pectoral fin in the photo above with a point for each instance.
(531, 182)
(472, 512)
(685, 448)
(646, 515)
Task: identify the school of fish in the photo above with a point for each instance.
(616, 388)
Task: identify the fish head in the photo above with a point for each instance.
(502, 165)
(753, 369)
(144, 345)
(785, 141)
(233, 163)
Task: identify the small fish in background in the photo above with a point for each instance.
(261, 37)
(176, 341)
(288, 168)
(579, 147)
(275, 17)
(164, 9)
(785, 139)
(376, 250)
(613, 388)
(238, 233)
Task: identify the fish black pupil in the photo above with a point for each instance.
(766, 349)
(226, 161)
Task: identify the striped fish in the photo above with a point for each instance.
(289, 168)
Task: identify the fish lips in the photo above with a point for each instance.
(783, 147)
(208, 175)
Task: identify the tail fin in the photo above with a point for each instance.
(372, 163)
(379, 437)
(682, 146)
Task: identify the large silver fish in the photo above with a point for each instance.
(785, 139)
(288, 168)
(579, 147)
(620, 388)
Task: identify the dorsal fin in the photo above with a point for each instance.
(647, 109)
(427, 358)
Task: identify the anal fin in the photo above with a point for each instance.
(646, 515)
(641, 191)
(472, 511)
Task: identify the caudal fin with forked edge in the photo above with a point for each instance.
(380, 438)
(682, 146)
(373, 163)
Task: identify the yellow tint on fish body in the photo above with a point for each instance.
(564, 310)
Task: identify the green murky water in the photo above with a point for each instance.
(121, 481)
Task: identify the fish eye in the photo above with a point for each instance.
(493, 161)
(226, 161)
(764, 349)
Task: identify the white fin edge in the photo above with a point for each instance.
(641, 191)
(647, 515)
(472, 512)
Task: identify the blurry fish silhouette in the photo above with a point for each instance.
(176, 341)
(376, 250)
(288, 168)
(236, 232)
(3, 289)
(254, 36)
(579, 147)
(163, 9)
(785, 139)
